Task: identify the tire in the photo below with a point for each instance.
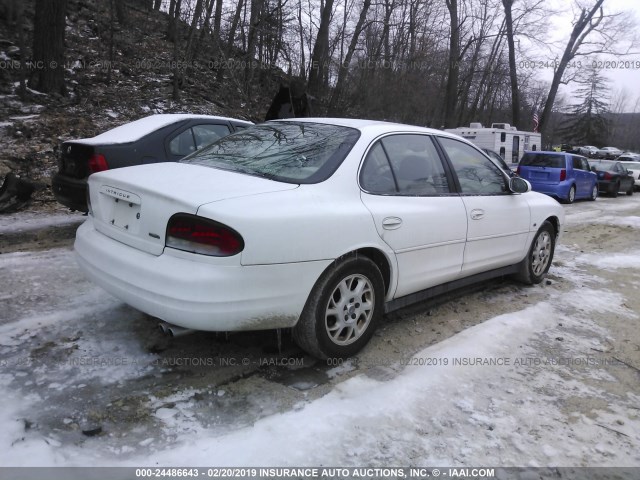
(333, 324)
(630, 191)
(594, 193)
(572, 195)
(536, 264)
(616, 189)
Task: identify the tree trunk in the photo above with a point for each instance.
(234, 27)
(578, 34)
(303, 61)
(121, 13)
(176, 70)
(344, 66)
(320, 56)
(451, 92)
(513, 74)
(192, 31)
(157, 5)
(48, 45)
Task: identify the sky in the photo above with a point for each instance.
(626, 76)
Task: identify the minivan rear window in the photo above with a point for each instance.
(531, 159)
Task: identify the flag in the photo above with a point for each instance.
(536, 120)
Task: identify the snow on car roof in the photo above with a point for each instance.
(133, 131)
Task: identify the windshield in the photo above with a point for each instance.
(542, 160)
(284, 151)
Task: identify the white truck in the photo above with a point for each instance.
(502, 138)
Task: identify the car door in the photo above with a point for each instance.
(580, 175)
(625, 179)
(498, 221)
(407, 190)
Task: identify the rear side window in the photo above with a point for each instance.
(404, 165)
(577, 164)
(530, 159)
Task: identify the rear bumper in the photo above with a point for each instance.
(558, 190)
(194, 294)
(70, 192)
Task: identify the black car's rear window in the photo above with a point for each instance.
(292, 152)
(608, 165)
(542, 160)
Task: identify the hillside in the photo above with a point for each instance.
(140, 84)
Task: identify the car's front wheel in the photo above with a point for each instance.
(342, 310)
(594, 193)
(630, 191)
(536, 264)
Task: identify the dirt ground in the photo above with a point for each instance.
(248, 376)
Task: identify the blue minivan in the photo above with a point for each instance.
(562, 175)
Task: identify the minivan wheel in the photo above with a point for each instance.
(572, 194)
(594, 193)
(536, 264)
(342, 310)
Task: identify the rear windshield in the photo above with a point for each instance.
(531, 159)
(291, 152)
(604, 164)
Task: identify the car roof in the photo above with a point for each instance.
(134, 131)
(370, 125)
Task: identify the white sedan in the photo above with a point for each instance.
(320, 225)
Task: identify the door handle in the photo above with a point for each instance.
(391, 223)
(477, 214)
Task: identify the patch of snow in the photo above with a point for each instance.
(133, 131)
(27, 221)
(611, 261)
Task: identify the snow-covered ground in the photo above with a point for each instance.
(546, 380)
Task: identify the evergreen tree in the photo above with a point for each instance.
(588, 123)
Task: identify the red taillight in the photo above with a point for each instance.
(200, 235)
(607, 176)
(97, 163)
(518, 170)
(563, 175)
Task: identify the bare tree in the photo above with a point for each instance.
(451, 94)
(590, 22)
(48, 46)
(320, 56)
(513, 73)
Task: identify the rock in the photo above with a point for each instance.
(92, 431)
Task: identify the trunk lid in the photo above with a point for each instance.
(74, 159)
(133, 205)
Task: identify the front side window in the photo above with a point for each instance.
(291, 152)
(477, 174)
(404, 165)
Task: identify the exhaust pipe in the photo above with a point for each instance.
(174, 330)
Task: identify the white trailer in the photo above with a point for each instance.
(502, 138)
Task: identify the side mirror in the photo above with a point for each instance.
(519, 185)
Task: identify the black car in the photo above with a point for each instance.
(157, 138)
(500, 161)
(613, 177)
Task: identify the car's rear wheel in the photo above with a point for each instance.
(342, 310)
(594, 193)
(536, 264)
(572, 194)
(616, 189)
